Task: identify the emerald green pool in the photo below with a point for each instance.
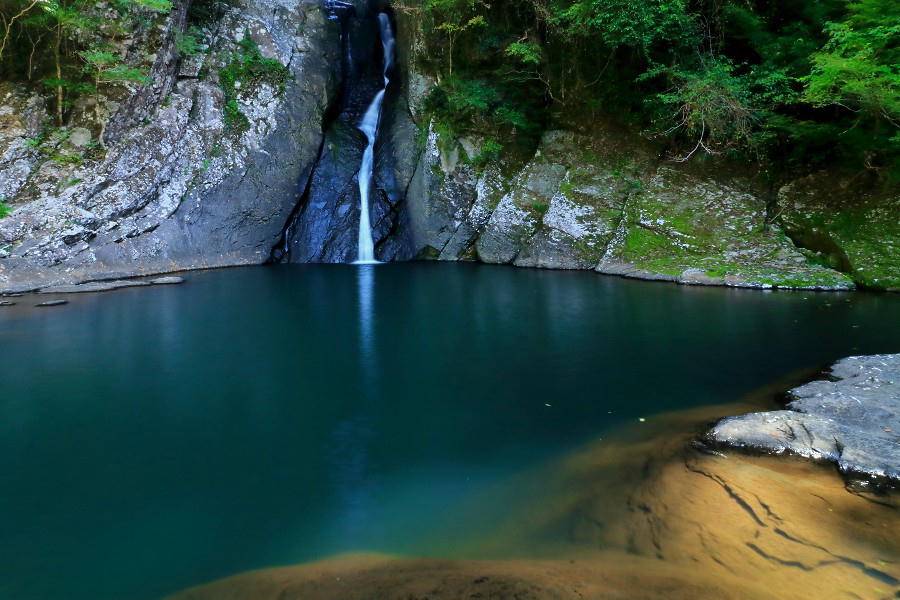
(152, 439)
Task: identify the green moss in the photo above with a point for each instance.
(428, 253)
(540, 208)
(675, 227)
(864, 238)
(489, 152)
(247, 68)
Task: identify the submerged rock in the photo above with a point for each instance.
(171, 280)
(94, 286)
(853, 421)
(52, 303)
(637, 514)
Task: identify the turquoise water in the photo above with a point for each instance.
(152, 439)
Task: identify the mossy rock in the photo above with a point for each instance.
(699, 231)
(846, 224)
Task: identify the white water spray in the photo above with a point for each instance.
(369, 126)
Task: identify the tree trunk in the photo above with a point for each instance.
(59, 88)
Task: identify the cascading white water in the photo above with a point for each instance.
(369, 126)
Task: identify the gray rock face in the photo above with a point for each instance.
(177, 189)
(21, 116)
(600, 203)
(180, 190)
(853, 421)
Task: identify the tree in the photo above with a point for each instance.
(109, 68)
(453, 18)
(17, 10)
(859, 67)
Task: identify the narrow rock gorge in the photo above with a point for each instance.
(200, 169)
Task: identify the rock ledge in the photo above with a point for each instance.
(853, 421)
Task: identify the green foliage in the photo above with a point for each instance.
(188, 43)
(711, 103)
(5, 209)
(525, 52)
(453, 18)
(72, 47)
(858, 70)
(247, 67)
(475, 104)
(793, 85)
(66, 158)
(159, 6)
(489, 152)
(643, 24)
(109, 68)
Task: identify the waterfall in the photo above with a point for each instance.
(369, 126)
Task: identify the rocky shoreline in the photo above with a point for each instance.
(852, 420)
(179, 189)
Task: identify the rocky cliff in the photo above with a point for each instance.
(178, 185)
(608, 201)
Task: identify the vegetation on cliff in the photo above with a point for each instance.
(72, 48)
(793, 85)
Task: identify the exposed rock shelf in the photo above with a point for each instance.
(853, 421)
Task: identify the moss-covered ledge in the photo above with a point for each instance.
(847, 226)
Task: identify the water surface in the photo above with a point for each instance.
(152, 439)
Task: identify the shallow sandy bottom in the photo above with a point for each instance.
(641, 516)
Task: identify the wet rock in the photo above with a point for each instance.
(853, 421)
(93, 286)
(326, 228)
(52, 303)
(7, 303)
(170, 280)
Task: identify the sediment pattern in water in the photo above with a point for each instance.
(643, 515)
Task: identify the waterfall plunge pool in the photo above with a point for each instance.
(154, 439)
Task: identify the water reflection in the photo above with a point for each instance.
(348, 450)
